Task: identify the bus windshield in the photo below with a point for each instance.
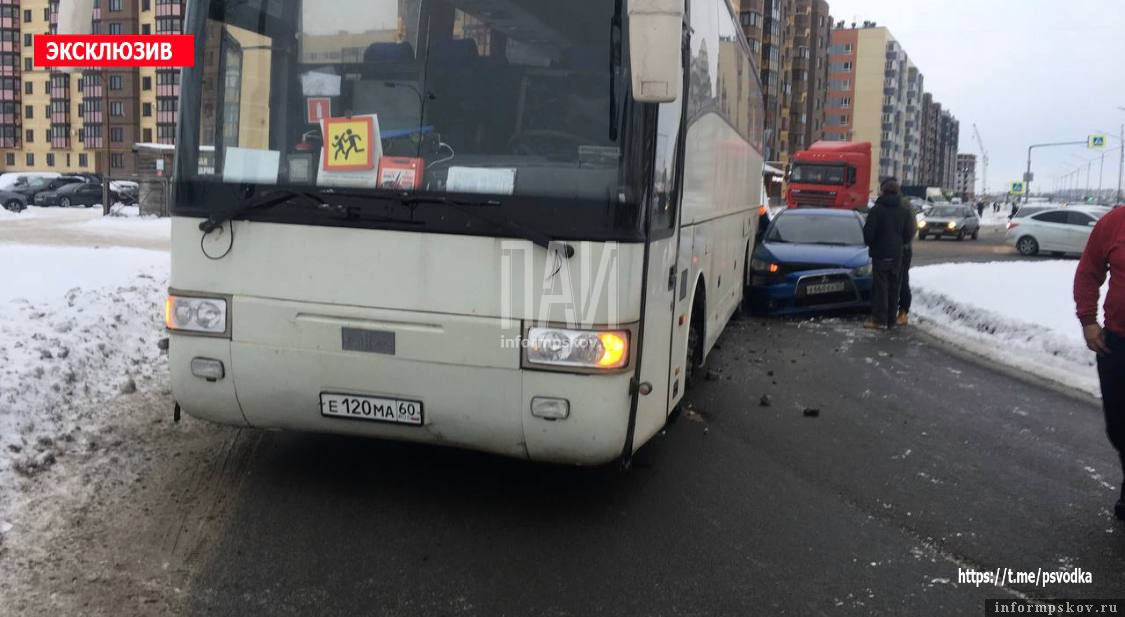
(819, 174)
(496, 97)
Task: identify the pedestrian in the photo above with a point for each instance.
(1015, 209)
(980, 209)
(1105, 253)
(905, 297)
(889, 227)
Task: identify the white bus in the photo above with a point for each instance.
(512, 226)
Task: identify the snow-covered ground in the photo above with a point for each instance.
(84, 227)
(80, 326)
(1019, 314)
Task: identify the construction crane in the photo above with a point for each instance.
(983, 161)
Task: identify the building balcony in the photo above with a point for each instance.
(169, 9)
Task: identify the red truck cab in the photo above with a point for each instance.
(830, 174)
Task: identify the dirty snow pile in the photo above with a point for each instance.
(78, 328)
(1019, 314)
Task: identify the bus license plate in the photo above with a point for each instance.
(371, 408)
(825, 288)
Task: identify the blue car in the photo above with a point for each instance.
(811, 260)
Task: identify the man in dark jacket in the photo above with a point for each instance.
(890, 226)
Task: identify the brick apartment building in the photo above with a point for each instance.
(87, 121)
(876, 93)
(790, 39)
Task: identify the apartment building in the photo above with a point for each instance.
(40, 110)
(790, 38)
(803, 117)
(965, 177)
(876, 93)
(87, 121)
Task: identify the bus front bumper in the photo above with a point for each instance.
(484, 408)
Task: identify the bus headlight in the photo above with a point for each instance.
(584, 349)
(195, 314)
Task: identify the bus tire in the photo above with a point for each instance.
(693, 364)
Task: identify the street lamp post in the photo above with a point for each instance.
(1028, 177)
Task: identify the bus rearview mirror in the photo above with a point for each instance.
(75, 17)
(655, 35)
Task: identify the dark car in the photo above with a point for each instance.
(12, 201)
(83, 194)
(811, 259)
(36, 185)
(957, 220)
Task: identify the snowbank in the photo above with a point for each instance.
(78, 327)
(1019, 314)
(131, 225)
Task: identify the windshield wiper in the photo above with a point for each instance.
(471, 207)
(265, 201)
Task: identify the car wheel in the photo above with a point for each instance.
(1027, 246)
(64, 202)
(14, 205)
(961, 235)
(976, 234)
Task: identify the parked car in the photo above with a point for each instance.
(82, 194)
(957, 220)
(12, 201)
(127, 191)
(11, 179)
(35, 185)
(811, 259)
(1057, 230)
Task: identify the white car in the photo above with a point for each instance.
(1058, 230)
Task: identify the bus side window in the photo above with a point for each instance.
(665, 182)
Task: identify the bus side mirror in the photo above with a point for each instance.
(655, 37)
(75, 17)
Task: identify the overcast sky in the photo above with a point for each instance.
(1025, 71)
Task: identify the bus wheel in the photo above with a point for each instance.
(693, 364)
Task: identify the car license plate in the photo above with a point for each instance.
(825, 288)
(372, 408)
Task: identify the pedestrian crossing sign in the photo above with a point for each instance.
(1096, 142)
(1017, 188)
(348, 144)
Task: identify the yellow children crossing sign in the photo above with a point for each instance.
(1096, 142)
(348, 144)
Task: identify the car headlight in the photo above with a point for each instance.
(952, 225)
(921, 224)
(760, 265)
(588, 349)
(863, 271)
(196, 314)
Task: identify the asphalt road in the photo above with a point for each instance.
(990, 246)
(920, 463)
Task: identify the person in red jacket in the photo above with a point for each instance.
(1105, 253)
